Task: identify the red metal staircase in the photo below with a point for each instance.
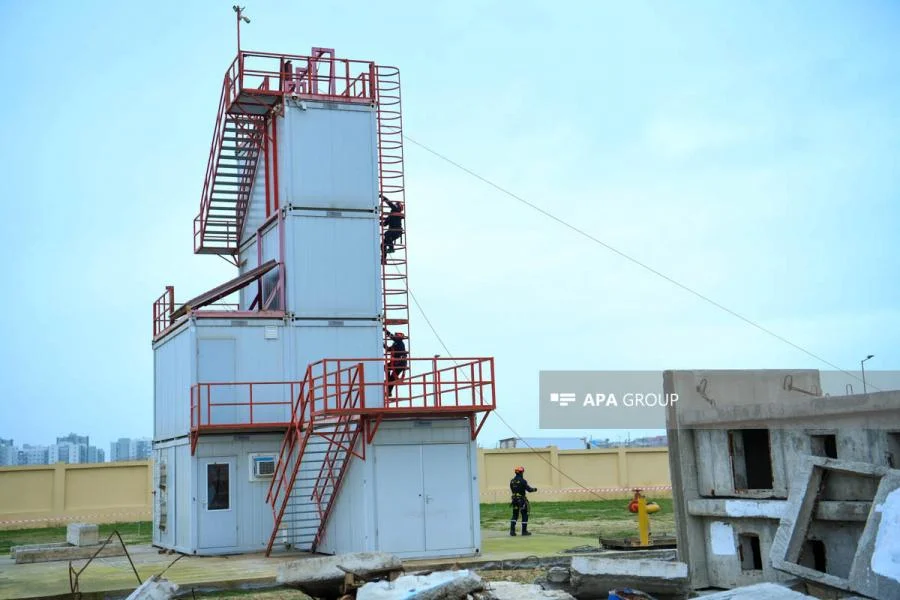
(325, 426)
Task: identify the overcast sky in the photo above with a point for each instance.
(748, 150)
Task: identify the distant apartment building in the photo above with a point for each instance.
(130, 449)
(9, 454)
(34, 455)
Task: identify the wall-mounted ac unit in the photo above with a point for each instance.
(262, 467)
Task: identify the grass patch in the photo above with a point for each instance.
(133, 533)
(590, 518)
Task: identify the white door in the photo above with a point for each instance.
(216, 363)
(399, 499)
(448, 496)
(217, 522)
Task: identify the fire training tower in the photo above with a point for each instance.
(275, 424)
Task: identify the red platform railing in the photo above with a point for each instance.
(245, 403)
(163, 308)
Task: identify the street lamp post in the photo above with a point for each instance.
(862, 365)
(240, 17)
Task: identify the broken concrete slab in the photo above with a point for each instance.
(508, 590)
(155, 588)
(66, 552)
(324, 574)
(83, 534)
(594, 577)
(14, 549)
(875, 567)
(759, 591)
(440, 585)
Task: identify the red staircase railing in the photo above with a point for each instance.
(342, 439)
(290, 456)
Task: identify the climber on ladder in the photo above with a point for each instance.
(397, 362)
(392, 223)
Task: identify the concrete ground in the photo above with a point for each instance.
(114, 574)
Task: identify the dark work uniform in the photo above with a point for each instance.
(518, 486)
(393, 228)
(397, 365)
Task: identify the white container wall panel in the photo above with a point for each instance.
(316, 340)
(245, 518)
(271, 250)
(333, 269)
(164, 528)
(248, 260)
(415, 496)
(243, 351)
(174, 360)
(328, 156)
(183, 494)
(351, 526)
(256, 210)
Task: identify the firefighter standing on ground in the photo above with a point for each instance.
(518, 486)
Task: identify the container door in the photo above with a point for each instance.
(217, 521)
(216, 364)
(448, 497)
(399, 499)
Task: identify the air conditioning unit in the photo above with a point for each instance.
(262, 466)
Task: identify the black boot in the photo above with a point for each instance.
(525, 529)
(512, 528)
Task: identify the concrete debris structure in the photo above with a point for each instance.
(772, 481)
(596, 577)
(155, 588)
(440, 585)
(320, 575)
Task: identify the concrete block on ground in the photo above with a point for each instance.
(66, 553)
(508, 590)
(324, 574)
(594, 577)
(155, 588)
(759, 591)
(440, 585)
(83, 534)
(14, 549)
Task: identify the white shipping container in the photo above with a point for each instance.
(334, 270)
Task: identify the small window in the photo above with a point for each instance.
(217, 487)
(262, 466)
(751, 556)
(824, 445)
(751, 459)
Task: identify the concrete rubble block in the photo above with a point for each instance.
(558, 575)
(14, 549)
(83, 534)
(759, 591)
(324, 574)
(508, 590)
(66, 552)
(594, 577)
(155, 588)
(440, 585)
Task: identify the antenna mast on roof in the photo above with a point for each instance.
(239, 10)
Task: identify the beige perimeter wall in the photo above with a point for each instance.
(563, 474)
(40, 495)
(36, 496)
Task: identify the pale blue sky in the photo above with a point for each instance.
(748, 149)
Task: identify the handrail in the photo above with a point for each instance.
(205, 404)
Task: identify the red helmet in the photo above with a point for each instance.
(520, 469)
(399, 334)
